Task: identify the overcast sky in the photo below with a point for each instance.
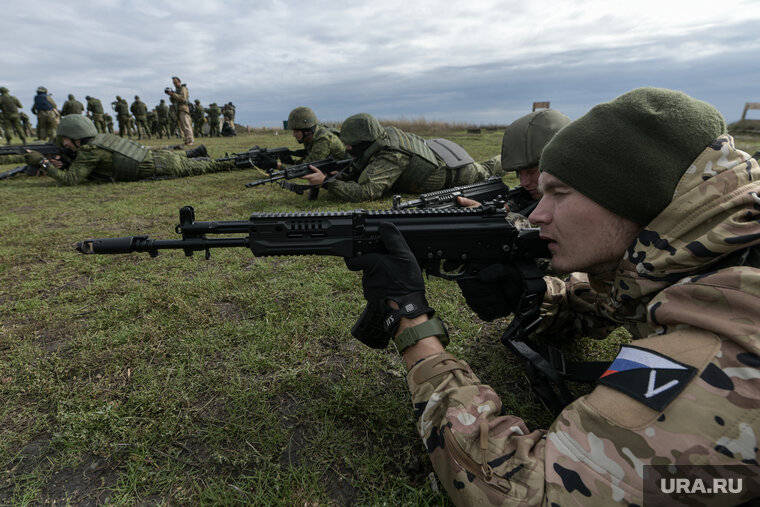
(479, 61)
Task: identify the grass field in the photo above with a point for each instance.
(234, 380)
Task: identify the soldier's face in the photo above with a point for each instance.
(298, 134)
(176, 82)
(529, 181)
(582, 235)
(69, 143)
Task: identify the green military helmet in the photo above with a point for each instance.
(137, 97)
(197, 101)
(41, 89)
(524, 140)
(3, 89)
(75, 126)
(302, 118)
(71, 96)
(362, 127)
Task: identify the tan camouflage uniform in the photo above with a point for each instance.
(674, 288)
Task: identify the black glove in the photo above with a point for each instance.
(392, 276)
(494, 292)
(265, 162)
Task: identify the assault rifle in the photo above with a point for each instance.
(47, 149)
(263, 156)
(327, 166)
(492, 190)
(448, 243)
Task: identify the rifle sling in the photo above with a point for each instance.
(547, 367)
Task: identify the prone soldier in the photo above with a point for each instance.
(391, 160)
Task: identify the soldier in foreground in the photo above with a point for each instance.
(389, 160)
(661, 237)
(110, 158)
(11, 120)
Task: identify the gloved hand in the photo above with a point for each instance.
(34, 158)
(494, 292)
(267, 163)
(392, 276)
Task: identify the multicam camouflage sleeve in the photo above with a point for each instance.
(686, 396)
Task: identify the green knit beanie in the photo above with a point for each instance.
(629, 154)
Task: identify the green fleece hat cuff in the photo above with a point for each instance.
(629, 154)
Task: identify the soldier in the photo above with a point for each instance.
(229, 113)
(214, 113)
(47, 114)
(391, 160)
(109, 158)
(198, 117)
(162, 115)
(109, 122)
(121, 107)
(153, 122)
(521, 149)
(173, 129)
(11, 120)
(72, 106)
(660, 236)
(180, 98)
(140, 111)
(95, 113)
(26, 124)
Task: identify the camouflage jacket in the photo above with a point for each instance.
(689, 286)
(322, 145)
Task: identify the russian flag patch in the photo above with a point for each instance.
(647, 376)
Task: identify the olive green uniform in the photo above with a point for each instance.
(122, 116)
(162, 117)
(11, 120)
(323, 144)
(199, 118)
(72, 106)
(140, 110)
(109, 122)
(110, 158)
(47, 119)
(214, 113)
(26, 124)
(401, 163)
(95, 113)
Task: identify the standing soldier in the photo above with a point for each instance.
(47, 114)
(26, 125)
(229, 113)
(122, 115)
(10, 106)
(95, 113)
(109, 122)
(173, 131)
(162, 115)
(140, 110)
(180, 97)
(198, 117)
(152, 122)
(72, 106)
(214, 113)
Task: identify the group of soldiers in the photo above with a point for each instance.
(134, 119)
(662, 237)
